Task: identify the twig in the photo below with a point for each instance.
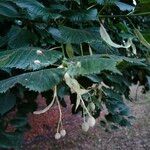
(60, 114)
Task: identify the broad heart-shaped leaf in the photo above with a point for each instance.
(40, 81)
(124, 7)
(91, 65)
(28, 58)
(116, 106)
(81, 15)
(131, 61)
(7, 101)
(20, 37)
(32, 9)
(102, 47)
(8, 10)
(65, 35)
(95, 64)
(11, 140)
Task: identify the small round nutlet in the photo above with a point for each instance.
(63, 132)
(78, 64)
(18, 22)
(85, 126)
(39, 52)
(57, 136)
(92, 106)
(91, 121)
(37, 62)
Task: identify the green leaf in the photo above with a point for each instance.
(144, 1)
(62, 90)
(8, 10)
(111, 94)
(102, 47)
(19, 122)
(125, 123)
(7, 102)
(20, 37)
(146, 35)
(117, 106)
(40, 81)
(92, 65)
(81, 15)
(104, 2)
(129, 61)
(124, 7)
(143, 7)
(28, 58)
(3, 40)
(85, 65)
(114, 118)
(77, 36)
(56, 34)
(11, 140)
(35, 10)
(120, 80)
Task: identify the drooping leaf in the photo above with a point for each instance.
(28, 58)
(81, 15)
(131, 61)
(117, 106)
(91, 65)
(65, 35)
(7, 101)
(102, 47)
(95, 64)
(19, 37)
(77, 36)
(40, 81)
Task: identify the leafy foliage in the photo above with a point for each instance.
(44, 43)
(37, 81)
(25, 58)
(7, 102)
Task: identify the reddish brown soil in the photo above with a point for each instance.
(44, 125)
